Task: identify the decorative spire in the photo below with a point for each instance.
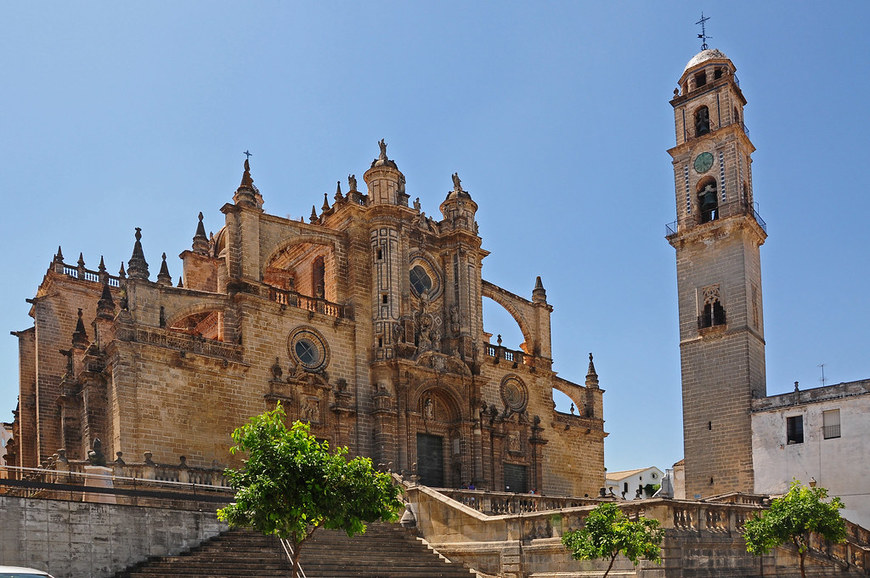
(591, 376)
(200, 241)
(59, 256)
(180, 283)
(137, 267)
(539, 294)
(106, 305)
(102, 266)
(121, 273)
(80, 336)
(313, 216)
(338, 195)
(163, 277)
(81, 261)
(247, 195)
(325, 206)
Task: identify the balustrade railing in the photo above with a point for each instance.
(80, 272)
(498, 352)
(315, 304)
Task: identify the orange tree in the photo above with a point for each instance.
(608, 532)
(792, 518)
(291, 484)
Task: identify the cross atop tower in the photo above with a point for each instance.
(249, 154)
(703, 35)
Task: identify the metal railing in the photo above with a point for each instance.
(724, 210)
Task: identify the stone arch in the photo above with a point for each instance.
(514, 308)
(444, 393)
(572, 393)
(290, 266)
(201, 319)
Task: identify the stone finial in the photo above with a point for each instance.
(81, 261)
(96, 456)
(163, 277)
(313, 216)
(200, 241)
(338, 195)
(591, 375)
(137, 267)
(106, 305)
(247, 195)
(180, 283)
(539, 294)
(80, 336)
(325, 206)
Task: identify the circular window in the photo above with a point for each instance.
(308, 349)
(514, 393)
(420, 280)
(423, 277)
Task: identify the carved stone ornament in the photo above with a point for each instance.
(514, 393)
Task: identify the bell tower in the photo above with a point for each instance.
(717, 236)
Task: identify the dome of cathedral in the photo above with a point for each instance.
(703, 56)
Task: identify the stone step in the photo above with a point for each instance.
(384, 551)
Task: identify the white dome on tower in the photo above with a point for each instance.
(703, 56)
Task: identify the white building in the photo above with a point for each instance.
(634, 484)
(819, 435)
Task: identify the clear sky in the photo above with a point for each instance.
(555, 115)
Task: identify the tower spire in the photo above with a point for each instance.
(137, 267)
(200, 241)
(247, 195)
(163, 277)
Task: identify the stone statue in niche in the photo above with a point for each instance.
(309, 409)
(514, 442)
(429, 408)
(454, 320)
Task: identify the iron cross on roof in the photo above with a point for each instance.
(703, 35)
(249, 155)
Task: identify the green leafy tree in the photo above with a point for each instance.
(608, 533)
(291, 484)
(792, 518)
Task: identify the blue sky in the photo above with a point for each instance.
(555, 115)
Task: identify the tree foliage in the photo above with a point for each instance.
(792, 518)
(291, 484)
(608, 533)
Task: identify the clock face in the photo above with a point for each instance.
(703, 162)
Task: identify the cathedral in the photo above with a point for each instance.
(365, 321)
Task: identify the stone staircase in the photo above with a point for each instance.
(384, 551)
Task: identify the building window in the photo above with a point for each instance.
(831, 423)
(712, 313)
(702, 121)
(794, 430)
(420, 280)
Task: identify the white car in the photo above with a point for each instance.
(18, 572)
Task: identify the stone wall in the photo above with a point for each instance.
(77, 540)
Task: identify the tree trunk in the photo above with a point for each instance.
(295, 572)
(803, 571)
(609, 566)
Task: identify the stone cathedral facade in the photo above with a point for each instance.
(365, 321)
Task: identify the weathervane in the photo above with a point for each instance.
(249, 155)
(703, 35)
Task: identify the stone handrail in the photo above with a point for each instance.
(59, 469)
(314, 304)
(456, 517)
(184, 341)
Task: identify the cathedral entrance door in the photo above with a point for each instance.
(430, 460)
(515, 479)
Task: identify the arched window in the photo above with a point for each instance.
(318, 277)
(708, 200)
(702, 121)
(713, 313)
